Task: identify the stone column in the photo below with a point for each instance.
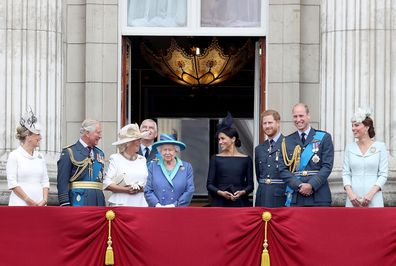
(30, 75)
(358, 69)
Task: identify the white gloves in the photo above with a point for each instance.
(165, 206)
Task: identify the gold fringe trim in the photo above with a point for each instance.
(109, 258)
(265, 257)
(294, 162)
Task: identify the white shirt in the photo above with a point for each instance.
(28, 172)
(134, 172)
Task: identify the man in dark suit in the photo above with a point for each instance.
(149, 126)
(308, 156)
(271, 188)
(80, 169)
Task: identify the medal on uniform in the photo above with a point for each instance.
(315, 149)
(315, 158)
(277, 156)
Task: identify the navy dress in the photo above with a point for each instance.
(230, 173)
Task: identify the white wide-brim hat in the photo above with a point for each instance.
(129, 133)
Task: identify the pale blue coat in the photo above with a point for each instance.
(363, 171)
(159, 190)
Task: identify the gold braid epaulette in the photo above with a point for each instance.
(294, 162)
(81, 165)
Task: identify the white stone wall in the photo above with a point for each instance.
(31, 67)
(294, 58)
(91, 68)
(358, 69)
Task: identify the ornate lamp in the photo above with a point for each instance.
(197, 69)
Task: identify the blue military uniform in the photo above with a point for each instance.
(80, 176)
(316, 171)
(271, 189)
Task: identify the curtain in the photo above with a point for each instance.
(230, 13)
(157, 13)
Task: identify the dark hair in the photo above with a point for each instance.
(368, 122)
(230, 132)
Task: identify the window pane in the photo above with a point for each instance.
(230, 13)
(157, 13)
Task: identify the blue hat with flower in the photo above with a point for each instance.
(169, 139)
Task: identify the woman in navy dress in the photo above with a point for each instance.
(230, 177)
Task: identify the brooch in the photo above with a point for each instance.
(315, 158)
(373, 149)
(182, 168)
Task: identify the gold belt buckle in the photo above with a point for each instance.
(267, 181)
(304, 173)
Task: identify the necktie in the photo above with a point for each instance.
(303, 138)
(146, 152)
(89, 152)
(271, 142)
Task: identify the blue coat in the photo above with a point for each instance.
(159, 190)
(67, 169)
(267, 167)
(321, 195)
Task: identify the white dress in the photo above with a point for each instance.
(133, 172)
(28, 172)
(363, 171)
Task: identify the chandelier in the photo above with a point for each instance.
(196, 69)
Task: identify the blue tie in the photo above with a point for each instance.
(303, 138)
(146, 152)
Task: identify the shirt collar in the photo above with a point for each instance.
(142, 147)
(276, 137)
(306, 132)
(83, 143)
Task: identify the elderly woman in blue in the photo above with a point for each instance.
(170, 181)
(365, 169)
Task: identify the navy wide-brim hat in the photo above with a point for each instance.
(168, 139)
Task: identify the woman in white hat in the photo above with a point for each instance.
(27, 175)
(170, 182)
(127, 173)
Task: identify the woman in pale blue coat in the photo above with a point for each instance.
(170, 181)
(365, 169)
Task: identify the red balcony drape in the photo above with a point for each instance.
(197, 236)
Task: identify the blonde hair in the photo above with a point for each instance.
(21, 133)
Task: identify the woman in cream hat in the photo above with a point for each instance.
(27, 175)
(127, 173)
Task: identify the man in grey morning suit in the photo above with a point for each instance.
(271, 188)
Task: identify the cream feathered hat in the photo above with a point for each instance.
(361, 114)
(129, 133)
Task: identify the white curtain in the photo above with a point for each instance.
(230, 13)
(157, 13)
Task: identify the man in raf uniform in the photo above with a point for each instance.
(80, 169)
(271, 188)
(308, 156)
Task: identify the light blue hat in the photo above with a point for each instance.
(169, 139)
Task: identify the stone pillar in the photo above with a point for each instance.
(358, 69)
(30, 75)
(91, 75)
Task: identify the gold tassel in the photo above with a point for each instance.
(109, 258)
(265, 257)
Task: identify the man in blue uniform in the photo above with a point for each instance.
(271, 188)
(80, 169)
(308, 156)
